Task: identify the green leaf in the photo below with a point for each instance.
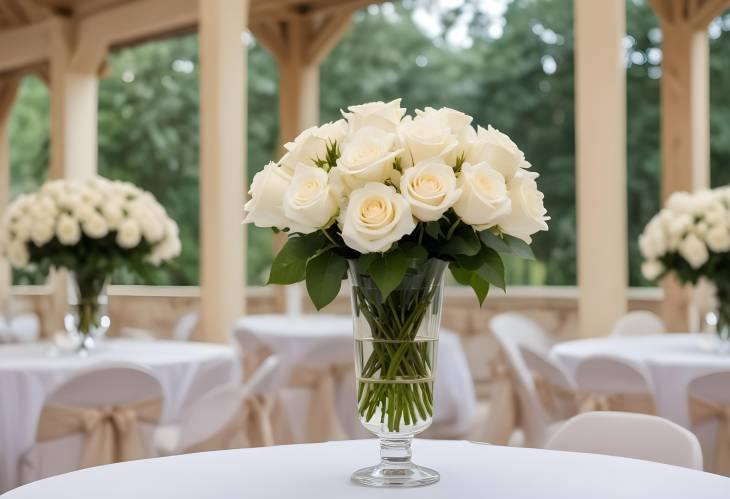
(461, 275)
(414, 251)
(519, 247)
(480, 287)
(366, 261)
(324, 277)
(433, 229)
(389, 271)
(494, 241)
(290, 263)
(487, 264)
(462, 242)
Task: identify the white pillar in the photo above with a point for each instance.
(600, 100)
(8, 90)
(222, 164)
(74, 145)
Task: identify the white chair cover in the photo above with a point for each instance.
(614, 384)
(623, 434)
(512, 330)
(555, 388)
(185, 327)
(100, 415)
(21, 328)
(709, 409)
(639, 323)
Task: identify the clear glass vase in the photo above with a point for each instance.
(87, 319)
(396, 340)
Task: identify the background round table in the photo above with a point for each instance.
(29, 372)
(670, 360)
(468, 470)
(294, 338)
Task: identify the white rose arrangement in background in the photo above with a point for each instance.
(391, 188)
(95, 223)
(690, 239)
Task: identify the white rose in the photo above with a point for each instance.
(312, 144)
(43, 231)
(426, 136)
(694, 250)
(129, 234)
(308, 200)
(68, 231)
(22, 228)
(165, 250)
(484, 198)
(430, 189)
(497, 149)
(653, 242)
(376, 217)
(95, 226)
(715, 213)
(113, 213)
(718, 238)
(383, 115)
(18, 255)
(528, 213)
(367, 156)
(651, 269)
(266, 206)
(680, 202)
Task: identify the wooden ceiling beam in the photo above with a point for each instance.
(327, 36)
(706, 11)
(25, 46)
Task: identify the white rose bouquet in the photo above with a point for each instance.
(391, 189)
(690, 238)
(91, 228)
(397, 198)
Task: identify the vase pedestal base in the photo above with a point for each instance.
(396, 468)
(382, 475)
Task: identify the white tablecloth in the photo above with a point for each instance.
(29, 372)
(298, 338)
(672, 361)
(322, 471)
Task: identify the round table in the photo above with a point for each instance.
(468, 470)
(671, 360)
(294, 338)
(29, 372)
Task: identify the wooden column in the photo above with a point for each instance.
(74, 145)
(600, 99)
(299, 44)
(8, 92)
(685, 120)
(222, 164)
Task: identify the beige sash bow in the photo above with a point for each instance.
(111, 433)
(623, 402)
(253, 360)
(322, 421)
(249, 427)
(551, 394)
(503, 404)
(702, 410)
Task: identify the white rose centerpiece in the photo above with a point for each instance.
(393, 200)
(690, 239)
(90, 228)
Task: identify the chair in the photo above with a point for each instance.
(612, 384)
(229, 416)
(99, 416)
(512, 381)
(217, 373)
(185, 326)
(637, 436)
(709, 409)
(555, 388)
(638, 323)
(22, 328)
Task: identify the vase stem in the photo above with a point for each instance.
(395, 451)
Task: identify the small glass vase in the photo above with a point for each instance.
(87, 319)
(723, 323)
(396, 340)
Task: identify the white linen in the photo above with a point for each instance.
(672, 361)
(330, 338)
(29, 372)
(468, 470)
